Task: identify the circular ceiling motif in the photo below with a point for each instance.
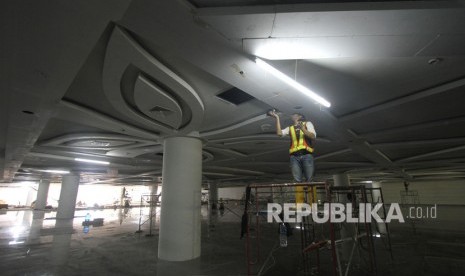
(157, 104)
(97, 141)
(142, 88)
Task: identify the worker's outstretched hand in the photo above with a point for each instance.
(273, 114)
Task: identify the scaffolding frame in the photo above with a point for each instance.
(151, 201)
(309, 243)
(307, 238)
(409, 197)
(363, 195)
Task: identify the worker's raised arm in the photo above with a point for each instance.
(279, 131)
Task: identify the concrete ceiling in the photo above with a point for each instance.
(110, 87)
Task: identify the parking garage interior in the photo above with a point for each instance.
(140, 137)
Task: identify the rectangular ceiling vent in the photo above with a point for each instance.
(235, 96)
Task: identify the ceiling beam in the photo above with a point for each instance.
(258, 138)
(413, 127)
(410, 144)
(405, 100)
(234, 126)
(112, 180)
(447, 161)
(359, 145)
(226, 151)
(429, 154)
(438, 169)
(233, 170)
(76, 113)
(331, 154)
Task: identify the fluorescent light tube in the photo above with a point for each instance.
(56, 171)
(92, 161)
(15, 242)
(280, 75)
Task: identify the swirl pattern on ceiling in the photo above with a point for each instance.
(143, 89)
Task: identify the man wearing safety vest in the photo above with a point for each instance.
(302, 134)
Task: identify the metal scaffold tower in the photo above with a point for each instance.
(409, 198)
(325, 248)
(151, 201)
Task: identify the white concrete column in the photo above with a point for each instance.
(153, 206)
(154, 189)
(31, 194)
(212, 206)
(179, 238)
(59, 253)
(341, 179)
(36, 226)
(68, 195)
(376, 194)
(42, 194)
(213, 195)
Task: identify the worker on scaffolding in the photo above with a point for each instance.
(301, 133)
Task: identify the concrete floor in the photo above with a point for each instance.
(31, 245)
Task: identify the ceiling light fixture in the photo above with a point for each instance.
(92, 161)
(280, 75)
(56, 171)
(291, 48)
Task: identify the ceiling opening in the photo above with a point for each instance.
(235, 96)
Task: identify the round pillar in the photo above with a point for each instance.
(341, 179)
(154, 189)
(68, 195)
(59, 252)
(213, 195)
(179, 238)
(42, 194)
